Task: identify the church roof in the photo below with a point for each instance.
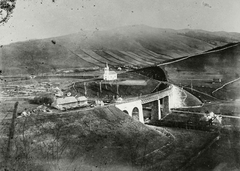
(112, 72)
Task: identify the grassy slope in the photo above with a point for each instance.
(36, 56)
(99, 139)
(214, 38)
(102, 137)
(222, 63)
(230, 91)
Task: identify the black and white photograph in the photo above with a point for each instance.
(119, 85)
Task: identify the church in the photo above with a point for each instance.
(109, 75)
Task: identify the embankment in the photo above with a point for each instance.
(97, 139)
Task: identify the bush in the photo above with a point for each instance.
(43, 99)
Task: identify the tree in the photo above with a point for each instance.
(43, 99)
(6, 10)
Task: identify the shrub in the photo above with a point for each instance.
(43, 99)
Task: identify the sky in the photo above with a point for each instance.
(36, 19)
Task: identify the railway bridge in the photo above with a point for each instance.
(153, 106)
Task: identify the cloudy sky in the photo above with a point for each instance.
(47, 18)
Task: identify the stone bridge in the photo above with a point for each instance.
(160, 104)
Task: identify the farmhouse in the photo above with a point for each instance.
(69, 102)
(109, 75)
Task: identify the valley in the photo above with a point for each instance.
(131, 98)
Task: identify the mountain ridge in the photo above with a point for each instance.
(136, 45)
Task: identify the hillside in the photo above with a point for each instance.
(208, 71)
(99, 139)
(229, 91)
(214, 38)
(131, 45)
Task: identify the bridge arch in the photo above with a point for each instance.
(135, 113)
(133, 108)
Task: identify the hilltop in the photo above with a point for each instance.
(131, 45)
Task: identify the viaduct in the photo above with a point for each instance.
(159, 103)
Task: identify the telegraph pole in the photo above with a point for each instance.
(100, 84)
(11, 134)
(191, 86)
(85, 88)
(117, 88)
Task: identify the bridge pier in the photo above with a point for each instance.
(160, 108)
(165, 106)
(155, 111)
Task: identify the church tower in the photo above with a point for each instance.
(106, 70)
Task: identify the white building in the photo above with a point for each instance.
(71, 102)
(109, 75)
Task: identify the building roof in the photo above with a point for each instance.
(70, 99)
(111, 73)
(66, 100)
(81, 98)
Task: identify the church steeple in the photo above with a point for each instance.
(106, 69)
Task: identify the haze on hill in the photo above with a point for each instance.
(131, 45)
(216, 72)
(51, 18)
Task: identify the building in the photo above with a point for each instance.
(70, 102)
(109, 75)
(58, 92)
